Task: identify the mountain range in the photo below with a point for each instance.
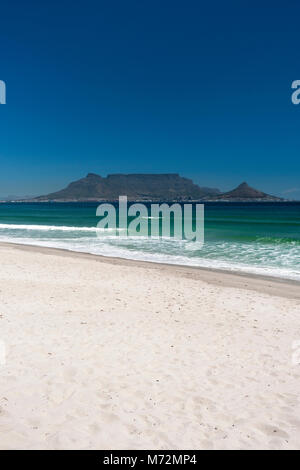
(148, 187)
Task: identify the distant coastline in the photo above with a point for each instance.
(169, 187)
(150, 201)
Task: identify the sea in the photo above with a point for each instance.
(256, 238)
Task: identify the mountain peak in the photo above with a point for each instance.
(92, 175)
(246, 192)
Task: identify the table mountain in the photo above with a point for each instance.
(144, 187)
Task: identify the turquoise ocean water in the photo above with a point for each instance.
(251, 238)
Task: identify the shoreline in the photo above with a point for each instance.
(281, 287)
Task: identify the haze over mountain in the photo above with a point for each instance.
(13, 197)
(149, 187)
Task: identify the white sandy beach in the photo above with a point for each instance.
(110, 354)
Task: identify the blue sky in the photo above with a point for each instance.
(197, 88)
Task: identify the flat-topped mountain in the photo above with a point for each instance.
(149, 187)
(168, 187)
(244, 192)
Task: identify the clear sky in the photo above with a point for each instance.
(198, 88)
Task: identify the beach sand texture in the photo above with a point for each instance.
(105, 354)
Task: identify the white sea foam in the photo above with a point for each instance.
(103, 247)
(55, 228)
(260, 257)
